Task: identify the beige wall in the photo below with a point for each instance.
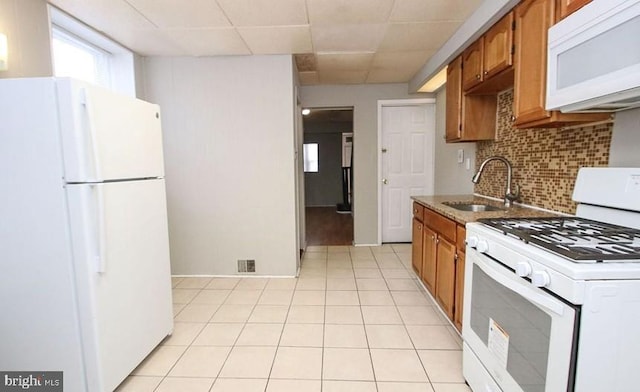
(364, 99)
(228, 125)
(451, 177)
(26, 25)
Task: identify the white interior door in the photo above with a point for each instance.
(407, 139)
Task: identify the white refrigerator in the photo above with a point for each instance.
(85, 284)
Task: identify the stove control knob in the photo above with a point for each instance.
(523, 269)
(483, 246)
(472, 241)
(540, 279)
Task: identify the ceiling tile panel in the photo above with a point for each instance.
(308, 78)
(265, 12)
(277, 39)
(182, 14)
(152, 42)
(432, 10)
(347, 38)
(396, 67)
(349, 11)
(209, 42)
(105, 15)
(344, 61)
(342, 77)
(389, 75)
(408, 37)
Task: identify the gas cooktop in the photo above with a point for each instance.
(578, 239)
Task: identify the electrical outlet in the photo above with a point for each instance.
(460, 155)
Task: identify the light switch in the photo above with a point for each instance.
(460, 155)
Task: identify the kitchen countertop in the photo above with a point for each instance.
(435, 203)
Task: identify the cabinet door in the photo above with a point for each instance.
(454, 100)
(567, 7)
(416, 247)
(459, 291)
(472, 60)
(533, 19)
(429, 239)
(498, 45)
(445, 275)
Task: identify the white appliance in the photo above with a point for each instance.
(593, 58)
(553, 304)
(85, 284)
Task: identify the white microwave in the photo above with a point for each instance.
(593, 62)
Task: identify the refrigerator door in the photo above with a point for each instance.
(121, 258)
(107, 136)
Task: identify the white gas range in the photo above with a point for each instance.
(553, 304)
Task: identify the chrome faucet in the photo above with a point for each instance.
(509, 196)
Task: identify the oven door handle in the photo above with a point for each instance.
(531, 295)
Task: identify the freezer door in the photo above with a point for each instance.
(107, 136)
(121, 258)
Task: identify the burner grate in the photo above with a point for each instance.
(575, 238)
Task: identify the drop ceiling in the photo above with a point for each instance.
(335, 41)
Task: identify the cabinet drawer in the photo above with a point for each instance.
(418, 211)
(461, 235)
(443, 226)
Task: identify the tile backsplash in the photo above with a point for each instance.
(545, 161)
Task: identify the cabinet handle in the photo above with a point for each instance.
(419, 227)
(433, 237)
(486, 72)
(478, 76)
(513, 118)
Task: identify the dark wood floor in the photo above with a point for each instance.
(326, 227)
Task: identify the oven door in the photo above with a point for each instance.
(523, 335)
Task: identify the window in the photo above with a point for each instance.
(310, 152)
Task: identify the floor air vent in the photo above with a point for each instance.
(246, 266)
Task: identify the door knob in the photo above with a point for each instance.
(385, 181)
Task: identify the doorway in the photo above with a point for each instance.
(328, 175)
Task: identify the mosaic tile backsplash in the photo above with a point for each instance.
(545, 161)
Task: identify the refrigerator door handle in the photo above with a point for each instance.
(95, 149)
(101, 251)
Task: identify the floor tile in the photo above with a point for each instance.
(345, 336)
(275, 385)
(281, 284)
(314, 255)
(397, 273)
(313, 273)
(371, 284)
(243, 297)
(252, 284)
(195, 313)
(380, 315)
(219, 334)
(343, 315)
(160, 361)
(340, 273)
(316, 248)
(311, 297)
(347, 364)
(232, 314)
(175, 280)
(302, 335)
(260, 335)
(183, 334)
(269, 314)
(420, 315)
(341, 284)
(339, 297)
(409, 298)
(388, 336)
(183, 296)
(311, 284)
(363, 264)
(194, 283)
(348, 386)
(139, 384)
(434, 337)
(181, 384)
(239, 385)
(367, 273)
(379, 298)
(304, 314)
(276, 297)
(451, 387)
(177, 308)
(338, 248)
(397, 365)
(401, 248)
(223, 283)
(404, 387)
(211, 297)
(200, 361)
(395, 264)
(402, 285)
(248, 362)
(297, 363)
(442, 366)
(339, 263)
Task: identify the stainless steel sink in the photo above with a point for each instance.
(473, 207)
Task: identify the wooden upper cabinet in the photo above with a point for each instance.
(533, 19)
(473, 60)
(498, 47)
(567, 7)
(454, 100)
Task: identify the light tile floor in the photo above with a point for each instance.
(356, 320)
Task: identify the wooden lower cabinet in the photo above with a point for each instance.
(445, 275)
(459, 297)
(416, 247)
(429, 256)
